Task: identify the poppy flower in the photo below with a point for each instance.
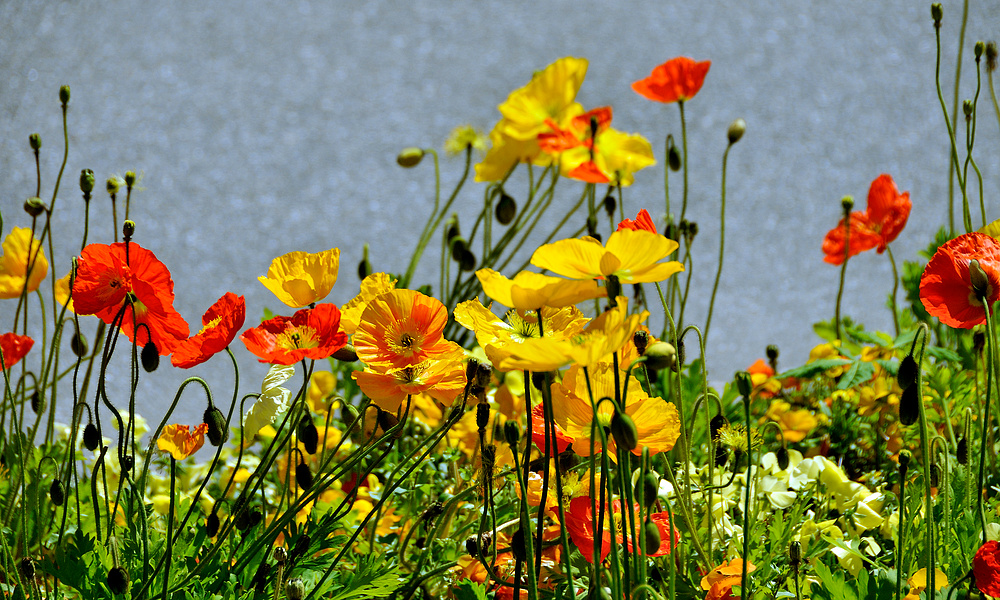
(642, 221)
(402, 328)
(538, 431)
(918, 583)
(19, 247)
(299, 278)
(220, 324)
(720, 581)
(986, 568)
(633, 256)
(875, 227)
(312, 333)
(14, 348)
(110, 278)
(180, 441)
(531, 291)
(441, 379)
(372, 287)
(676, 80)
(946, 287)
(580, 524)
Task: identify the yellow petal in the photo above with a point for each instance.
(576, 259)
(300, 278)
(20, 248)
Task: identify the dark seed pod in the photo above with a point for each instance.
(652, 537)
(117, 580)
(56, 493)
(78, 344)
(909, 405)
(782, 455)
(150, 357)
(517, 547)
(216, 421)
(610, 204)
(962, 451)
(482, 415)
(212, 524)
(303, 476)
(908, 372)
(308, 434)
(624, 431)
(506, 209)
(91, 439)
(37, 402)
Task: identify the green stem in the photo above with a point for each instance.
(684, 151)
(954, 149)
(895, 288)
(722, 242)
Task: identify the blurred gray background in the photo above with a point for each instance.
(263, 128)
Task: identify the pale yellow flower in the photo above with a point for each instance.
(299, 278)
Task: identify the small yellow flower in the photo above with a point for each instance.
(464, 137)
(633, 256)
(180, 441)
(19, 248)
(300, 278)
(795, 424)
(918, 583)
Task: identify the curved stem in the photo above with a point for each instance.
(722, 243)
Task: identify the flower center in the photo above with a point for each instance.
(294, 338)
(404, 342)
(210, 325)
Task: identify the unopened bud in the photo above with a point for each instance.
(467, 261)
(909, 405)
(295, 589)
(35, 141)
(64, 94)
(506, 209)
(660, 355)
(980, 281)
(935, 475)
(301, 546)
(846, 204)
(795, 553)
(967, 108)
(280, 555)
(744, 383)
(130, 178)
(27, 569)
(37, 402)
(517, 547)
(936, 14)
(364, 267)
(908, 372)
(303, 476)
(410, 157)
(641, 339)
(609, 205)
(904, 460)
(117, 580)
(346, 354)
(86, 181)
(91, 439)
(150, 357)
(772, 352)
(673, 155)
(511, 433)
(112, 185)
(736, 130)
(34, 206)
(484, 374)
(387, 421)
(56, 493)
(962, 451)
(78, 344)
(782, 456)
(308, 434)
(538, 379)
(652, 537)
(624, 431)
(482, 415)
(216, 421)
(212, 524)
(613, 286)
(128, 229)
(717, 423)
(647, 488)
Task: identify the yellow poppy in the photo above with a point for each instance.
(531, 291)
(918, 583)
(505, 152)
(547, 96)
(299, 278)
(372, 287)
(180, 441)
(20, 247)
(795, 424)
(633, 256)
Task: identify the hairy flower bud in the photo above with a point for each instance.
(482, 415)
(112, 185)
(216, 421)
(904, 461)
(150, 357)
(962, 451)
(78, 344)
(795, 553)
(64, 94)
(410, 157)
(91, 439)
(364, 267)
(117, 580)
(967, 107)
(908, 372)
(783, 459)
(624, 431)
(56, 493)
(506, 209)
(736, 130)
(280, 555)
(909, 405)
(610, 205)
(673, 155)
(846, 204)
(308, 434)
(744, 383)
(27, 569)
(86, 181)
(35, 141)
(660, 355)
(652, 537)
(128, 229)
(295, 589)
(130, 178)
(641, 339)
(511, 433)
(717, 423)
(37, 402)
(212, 524)
(936, 14)
(647, 488)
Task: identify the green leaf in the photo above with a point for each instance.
(833, 585)
(468, 590)
(859, 373)
(373, 578)
(815, 368)
(943, 354)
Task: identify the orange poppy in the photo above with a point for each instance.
(220, 324)
(580, 524)
(876, 227)
(14, 348)
(180, 441)
(986, 566)
(642, 221)
(720, 581)
(946, 288)
(442, 380)
(119, 277)
(310, 333)
(676, 80)
(401, 328)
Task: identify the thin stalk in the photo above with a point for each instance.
(722, 242)
(895, 288)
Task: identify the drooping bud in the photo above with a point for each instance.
(908, 372)
(216, 421)
(56, 493)
(241, 520)
(34, 206)
(624, 431)
(592, 228)
(149, 357)
(782, 456)
(744, 383)
(640, 338)
(128, 229)
(517, 547)
(652, 537)
(117, 580)
(610, 205)
(256, 518)
(212, 524)
(86, 181)
(308, 434)
(467, 261)
(935, 475)
(647, 488)
(717, 423)
(736, 130)
(91, 439)
(962, 451)
(35, 141)
(387, 421)
(346, 354)
(301, 547)
(506, 209)
(78, 344)
(37, 402)
(909, 405)
(660, 355)
(511, 434)
(364, 267)
(295, 589)
(673, 155)
(64, 94)
(410, 157)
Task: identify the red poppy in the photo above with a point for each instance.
(111, 277)
(676, 80)
(986, 568)
(642, 221)
(946, 289)
(538, 431)
(309, 333)
(580, 523)
(220, 324)
(876, 227)
(14, 348)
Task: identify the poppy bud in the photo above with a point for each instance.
(34, 206)
(673, 155)
(640, 338)
(346, 354)
(647, 488)
(935, 475)
(978, 341)
(471, 368)
(517, 547)
(904, 461)
(592, 228)
(78, 344)
(689, 232)
(308, 434)
(37, 402)
(967, 109)
(610, 205)
(660, 355)
(795, 553)
(128, 229)
(782, 456)
(295, 589)
(846, 204)
(242, 519)
(962, 451)
(511, 433)
(736, 130)
(721, 455)
(744, 383)
(387, 421)
(909, 405)
(506, 209)
(112, 185)
(472, 546)
(908, 372)
(129, 178)
(467, 261)
(27, 569)
(212, 525)
(652, 537)
(484, 373)
(717, 423)
(623, 430)
(86, 181)
(35, 140)
(301, 547)
(538, 379)
(217, 433)
(677, 366)
(482, 415)
(255, 518)
(364, 267)
(117, 580)
(150, 357)
(56, 493)
(936, 14)
(91, 439)
(672, 231)
(127, 462)
(613, 286)
(280, 555)
(772, 352)
(410, 157)
(64, 94)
